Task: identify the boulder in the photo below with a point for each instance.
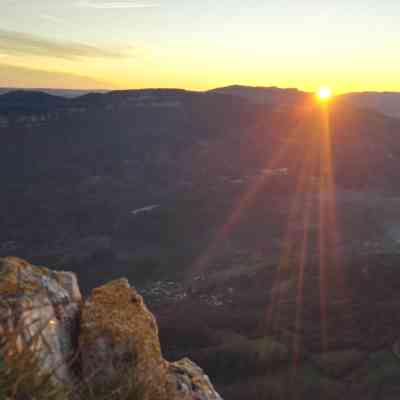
(119, 338)
(39, 310)
(191, 382)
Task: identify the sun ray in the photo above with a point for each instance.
(314, 131)
(245, 202)
(308, 168)
(331, 268)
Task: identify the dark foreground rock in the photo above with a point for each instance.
(110, 341)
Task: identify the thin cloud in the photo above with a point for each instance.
(18, 43)
(109, 5)
(17, 76)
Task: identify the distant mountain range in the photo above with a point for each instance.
(265, 95)
(69, 93)
(385, 102)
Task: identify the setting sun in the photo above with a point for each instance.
(324, 93)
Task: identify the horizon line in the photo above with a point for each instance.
(34, 88)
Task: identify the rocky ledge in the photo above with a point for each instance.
(109, 340)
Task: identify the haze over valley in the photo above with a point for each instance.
(223, 207)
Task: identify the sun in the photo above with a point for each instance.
(324, 93)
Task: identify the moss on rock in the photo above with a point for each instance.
(12, 279)
(120, 335)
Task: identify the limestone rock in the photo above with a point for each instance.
(192, 383)
(119, 338)
(112, 338)
(39, 309)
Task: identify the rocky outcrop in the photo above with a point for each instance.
(110, 341)
(119, 336)
(191, 382)
(39, 310)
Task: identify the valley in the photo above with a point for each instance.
(265, 258)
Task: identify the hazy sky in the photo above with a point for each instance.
(346, 44)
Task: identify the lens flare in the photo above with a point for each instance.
(324, 93)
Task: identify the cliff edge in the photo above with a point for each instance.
(105, 345)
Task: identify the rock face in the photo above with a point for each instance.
(120, 336)
(109, 341)
(39, 308)
(191, 382)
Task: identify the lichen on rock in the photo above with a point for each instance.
(192, 382)
(120, 335)
(39, 314)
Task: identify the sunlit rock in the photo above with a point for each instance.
(119, 337)
(192, 382)
(109, 342)
(39, 310)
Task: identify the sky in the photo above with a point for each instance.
(348, 45)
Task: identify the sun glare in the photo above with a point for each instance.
(324, 93)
